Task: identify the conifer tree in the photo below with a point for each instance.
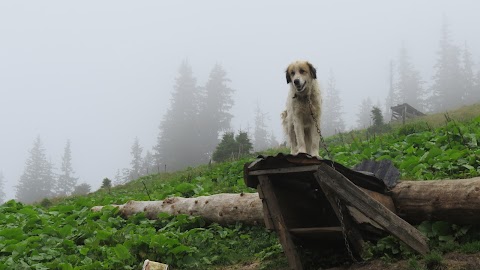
(447, 84)
(332, 116)
(37, 181)
(260, 134)
(148, 164)
(177, 144)
(232, 146)
(468, 77)
(392, 97)
(66, 181)
(136, 152)
(214, 115)
(363, 115)
(82, 189)
(409, 84)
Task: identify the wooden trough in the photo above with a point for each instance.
(319, 205)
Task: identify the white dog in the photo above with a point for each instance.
(303, 109)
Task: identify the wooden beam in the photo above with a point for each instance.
(355, 197)
(310, 168)
(279, 222)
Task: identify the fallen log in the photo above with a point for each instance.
(455, 201)
(221, 208)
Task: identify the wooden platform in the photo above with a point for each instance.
(311, 204)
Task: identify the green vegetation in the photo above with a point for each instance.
(65, 234)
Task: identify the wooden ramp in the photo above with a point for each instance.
(319, 205)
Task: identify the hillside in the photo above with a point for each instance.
(65, 234)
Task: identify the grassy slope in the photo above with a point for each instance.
(68, 236)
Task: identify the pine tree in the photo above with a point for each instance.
(82, 189)
(3, 196)
(66, 181)
(392, 97)
(37, 181)
(409, 85)
(447, 86)
(148, 165)
(260, 134)
(363, 115)
(468, 78)
(117, 180)
(214, 115)
(177, 145)
(272, 141)
(136, 152)
(332, 116)
(232, 146)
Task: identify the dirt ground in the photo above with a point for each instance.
(451, 261)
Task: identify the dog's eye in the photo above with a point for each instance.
(292, 73)
(302, 71)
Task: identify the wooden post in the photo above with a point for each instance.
(351, 194)
(279, 223)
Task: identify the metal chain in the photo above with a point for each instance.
(324, 144)
(344, 231)
(339, 204)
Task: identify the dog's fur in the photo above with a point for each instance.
(297, 120)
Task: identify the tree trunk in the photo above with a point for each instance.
(219, 208)
(456, 201)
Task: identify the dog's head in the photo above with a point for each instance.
(300, 74)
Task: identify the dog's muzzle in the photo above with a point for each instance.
(300, 88)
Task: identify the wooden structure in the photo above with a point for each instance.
(404, 111)
(322, 206)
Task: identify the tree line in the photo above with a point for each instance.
(455, 83)
(39, 179)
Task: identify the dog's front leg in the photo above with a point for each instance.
(315, 143)
(300, 136)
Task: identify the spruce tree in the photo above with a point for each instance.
(214, 116)
(136, 163)
(177, 144)
(332, 115)
(447, 84)
(409, 84)
(363, 115)
(37, 181)
(260, 134)
(82, 189)
(468, 77)
(392, 97)
(148, 164)
(66, 181)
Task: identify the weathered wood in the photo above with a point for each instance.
(298, 169)
(221, 208)
(267, 218)
(279, 223)
(390, 222)
(351, 231)
(456, 201)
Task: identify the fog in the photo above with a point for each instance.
(100, 73)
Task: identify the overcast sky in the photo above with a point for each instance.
(100, 73)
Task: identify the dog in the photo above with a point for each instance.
(301, 119)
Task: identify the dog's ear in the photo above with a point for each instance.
(313, 71)
(289, 80)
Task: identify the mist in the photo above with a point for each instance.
(101, 74)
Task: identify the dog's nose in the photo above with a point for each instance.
(296, 82)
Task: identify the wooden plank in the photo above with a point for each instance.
(348, 192)
(267, 218)
(279, 223)
(310, 168)
(316, 230)
(353, 234)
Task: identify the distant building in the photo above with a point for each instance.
(404, 111)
